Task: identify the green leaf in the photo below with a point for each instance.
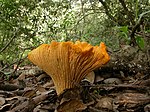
(140, 42)
(7, 73)
(1, 57)
(124, 29)
(148, 31)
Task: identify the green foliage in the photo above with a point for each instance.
(25, 24)
(140, 42)
(124, 29)
(124, 34)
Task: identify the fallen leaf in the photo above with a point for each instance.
(105, 103)
(131, 100)
(29, 93)
(112, 81)
(90, 77)
(147, 108)
(73, 105)
(48, 84)
(98, 78)
(2, 101)
(5, 107)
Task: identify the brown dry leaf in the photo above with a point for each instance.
(24, 106)
(29, 93)
(72, 105)
(98, 78)
(16, 101)
(5, 107)
(139, 75)
(130, 100)
(90, 77)
(48, 84)
(41, 77)
(21, 76)
(12, 98)
(2, 101)
(68, 94)
(112, 81)
(105, 103)
(9, 87)
(41, 88)
(147, 108)
(70, 101)
(22, 83)
(45, 108)
(38, 109)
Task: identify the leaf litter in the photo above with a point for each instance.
(108, 89)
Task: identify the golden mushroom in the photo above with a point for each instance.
(68, 63)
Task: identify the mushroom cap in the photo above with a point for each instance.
(67, 63)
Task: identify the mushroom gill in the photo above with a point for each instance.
(67, 63)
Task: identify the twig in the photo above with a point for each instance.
(10, 41)
(12, 64)
(129, 14)
(119, 86)
(83, 17)
(147, 35)
(107, 10)
(137, 25)
(19, 62)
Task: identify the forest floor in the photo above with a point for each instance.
(123, 85)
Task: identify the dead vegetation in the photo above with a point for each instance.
(112, 88)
